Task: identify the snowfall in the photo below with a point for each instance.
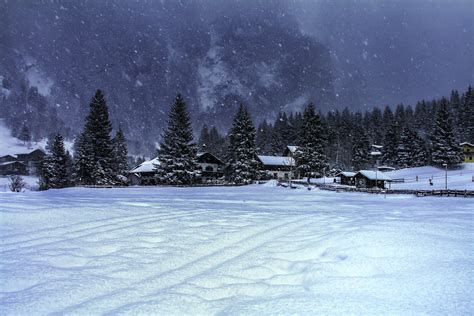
(258, 249)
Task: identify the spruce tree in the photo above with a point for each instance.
(120, 153)
(360, 149)
(25, 134)
(54, 167)
(95, 146)
(310, 156)
(242, 165)
(445, 148)
(390, 146)
(204, 139)
(177, 153)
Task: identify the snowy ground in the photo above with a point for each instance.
(245, 250)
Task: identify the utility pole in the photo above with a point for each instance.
(445, 165)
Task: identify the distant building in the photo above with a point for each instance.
(210, 166)
(278, 167)
(13, 168)
(22, 164)
(144, 174)
(468, 152)
(347, 177)
(371, 179)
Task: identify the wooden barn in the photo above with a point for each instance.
(371, 179)
(347, 177)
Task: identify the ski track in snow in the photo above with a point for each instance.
(243, 250)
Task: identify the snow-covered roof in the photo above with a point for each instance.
(277, 160)
(466, 143)
(375, 153)
(11, 162)
(377, 146)
(146, 166)
(291, 148)
(347, 173)
(372, 175)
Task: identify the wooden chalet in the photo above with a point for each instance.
(371, 179)
(211, 167)
(290, 151)
(278, 167)
(144, 173)
(468, 152)
(13, 168)
(347, 177)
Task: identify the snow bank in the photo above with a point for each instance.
(234, 250)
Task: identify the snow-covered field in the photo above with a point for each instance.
(234, 250)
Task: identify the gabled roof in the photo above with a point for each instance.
(292, 148)
(466, 143)
(372, 175)
(377, 146)
(346, 174)
(277, 161)
(209, 158)
(11, 163)
(146, 166)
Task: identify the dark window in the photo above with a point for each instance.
(209, 169)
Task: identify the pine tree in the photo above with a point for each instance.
(95, 146)
(120, 153)
(177, 153)
(263, 138)
(311, 154)
(204, 139)
(242, 163)
(467, 117)
(360, 149)
(417, 148)
(445, 148)
(390, 147)
(54, 167)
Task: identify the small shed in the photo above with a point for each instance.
(144, 173)
(371, 179)
(347, 177)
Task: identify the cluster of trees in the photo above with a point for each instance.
(429, 133)
(98, 159)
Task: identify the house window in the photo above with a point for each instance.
(286, 175)
(275, 175)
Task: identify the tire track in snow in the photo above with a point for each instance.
(113, 301)
(88, 232)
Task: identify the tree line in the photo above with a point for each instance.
(428, 134)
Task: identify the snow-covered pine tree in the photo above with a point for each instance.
(467, 117)
(263, 139)
(177, 153)
(418, 151)
(242, 163)
(390, 147)
(360, 148)
(54, 167)
(311, 154)
(444, 146)
(204, 139)
(404, 149)
(120, 153)
(95, 146)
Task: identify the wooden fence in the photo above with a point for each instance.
(420, 193)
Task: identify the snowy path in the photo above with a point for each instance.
(251, 250)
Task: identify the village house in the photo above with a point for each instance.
(468, 152)
(290, 151)
(347, 177)
(371, 179)
(278, 167)
(209, 165)
(22, 164)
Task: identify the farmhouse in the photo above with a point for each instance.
(347, 177)
(32, 160)
(468, 151)
(210, 166)
(278, 167)
(370, 179)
